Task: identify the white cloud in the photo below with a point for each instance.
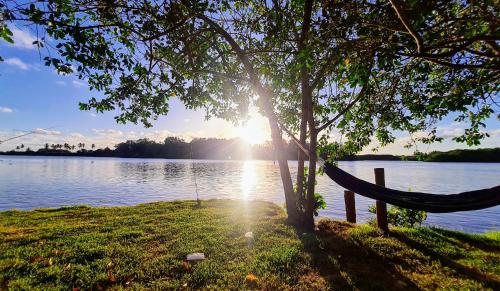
(47, 132)
(108, 132)
(22, 38)
(447, 131)
(6, 110)
(404, 140)
(77, 84)
(457, 129)
(76, 135)
(157, 135)
(61, 83)
(495, 132)
(17, 63)
(450, 130)
(190, 135)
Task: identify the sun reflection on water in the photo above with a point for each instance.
(248, 178)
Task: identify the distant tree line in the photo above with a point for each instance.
(199, 148)
(170, 148)
(226, 149)
(478, 155)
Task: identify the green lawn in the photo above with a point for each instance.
(144, 246)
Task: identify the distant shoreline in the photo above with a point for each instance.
(90, 155)
(467, 156)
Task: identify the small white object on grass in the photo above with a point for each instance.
(250, 239)
(194, 257)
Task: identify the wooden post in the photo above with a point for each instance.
(381, 206)
(350, 206)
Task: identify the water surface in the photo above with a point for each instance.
(33, 182)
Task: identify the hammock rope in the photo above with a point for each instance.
(193, 169)
(24, 134)
(436, 203)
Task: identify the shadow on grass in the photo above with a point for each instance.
(361, 257)
(346, 264)
(464, 271)
(476, 241)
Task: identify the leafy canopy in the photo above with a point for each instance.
(374, 67)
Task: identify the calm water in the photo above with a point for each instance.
(31, 182)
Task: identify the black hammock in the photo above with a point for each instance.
(437, 203)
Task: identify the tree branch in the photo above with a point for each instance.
(322, 71)
(407, 25)
(296, 140)
(224, 75)
(460, 66)
(234, 45)
(349, 106)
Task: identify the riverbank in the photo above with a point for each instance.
(144, 246)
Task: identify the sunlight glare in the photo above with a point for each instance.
(248, 178)
(255, 130)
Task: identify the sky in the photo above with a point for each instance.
(35, 97)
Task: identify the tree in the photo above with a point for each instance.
(362, 68)
(175, 147)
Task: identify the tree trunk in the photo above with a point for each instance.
(306, 107)
(301, 155)
(277, 139)
(311, 181)
(286, 178)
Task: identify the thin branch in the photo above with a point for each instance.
(446, 42)
(224, 75)
(361, 94)
(296, 140)
(322, 71)
(166, 32)
(460, 66)
(383, 27)
(234, 45)
(407, 25)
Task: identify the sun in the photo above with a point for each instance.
(252, 133)
(255, 130)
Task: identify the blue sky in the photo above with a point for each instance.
(33, 96)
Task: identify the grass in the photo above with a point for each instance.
(143, 247)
